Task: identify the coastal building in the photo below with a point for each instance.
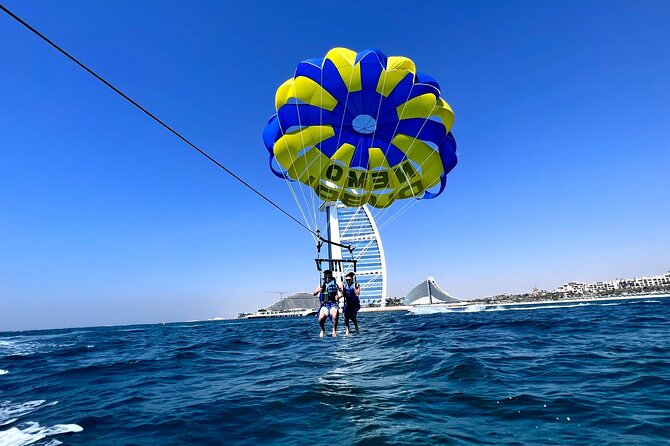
(356, 226)
(570, 288)
(645, 282)
(428, 292)
(579, 288)
(296, 301)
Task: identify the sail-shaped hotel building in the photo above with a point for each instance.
(356, 226)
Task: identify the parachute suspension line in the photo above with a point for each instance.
(346, 101)
(337, 273)
(320, 217)
(366, 248)
(354, 229)
(379, 215)
(405, 207)
(374, 132)
(370, 282)
(335, 264)
(314, 195)
(351, 221)
(321, 240)
(152, 116)
(297, 200)
(361, 230)
(408, 205)
(379, 109)
(298, 185)
(302, 189)
(289, 184)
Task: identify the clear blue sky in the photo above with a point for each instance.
(562, 120)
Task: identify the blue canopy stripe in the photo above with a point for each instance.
(364, 112)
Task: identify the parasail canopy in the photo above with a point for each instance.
(362, 128)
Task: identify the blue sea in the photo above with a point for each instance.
(589, 373)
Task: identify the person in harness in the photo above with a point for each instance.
(328, 292)
(351, 290)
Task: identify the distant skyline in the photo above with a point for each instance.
(640, 279)
(106, 218)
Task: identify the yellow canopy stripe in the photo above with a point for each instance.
(427, 159)
(290, 144)
(344, 60)
(305, 90)
(396, 70)
(418, 107)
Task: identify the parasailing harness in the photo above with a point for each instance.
(335, 265)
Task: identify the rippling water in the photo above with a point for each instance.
(596, 373)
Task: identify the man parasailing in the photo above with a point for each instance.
(328, 292)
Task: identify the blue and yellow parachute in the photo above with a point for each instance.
(362, 128)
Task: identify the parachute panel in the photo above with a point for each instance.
(362, 128)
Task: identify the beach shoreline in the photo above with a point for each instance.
(465, 304)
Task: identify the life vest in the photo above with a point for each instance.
(349, 292)
(329, 291)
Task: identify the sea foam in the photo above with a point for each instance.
(32, 432)
(29, 432)
(10, 410)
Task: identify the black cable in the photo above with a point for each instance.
(151, 115)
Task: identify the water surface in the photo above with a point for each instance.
(569, 374)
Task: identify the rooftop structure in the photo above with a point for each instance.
(428, 292)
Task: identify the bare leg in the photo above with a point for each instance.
(334, 314)
(346, 325)
(323, 314)
(354, 318)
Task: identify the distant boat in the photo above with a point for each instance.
(263, 314)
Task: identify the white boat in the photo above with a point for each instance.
(262, 314)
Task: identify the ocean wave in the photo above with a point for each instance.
(550, 307)
(4, 372)
(474, 308)
(493, 376)
(436, 309)
(12, 411)
(646, 381)
(33, 346)
(429, 310)
(31, 432)
(18, 347)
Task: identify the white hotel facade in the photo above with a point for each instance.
(356, 226)
(637, 283)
